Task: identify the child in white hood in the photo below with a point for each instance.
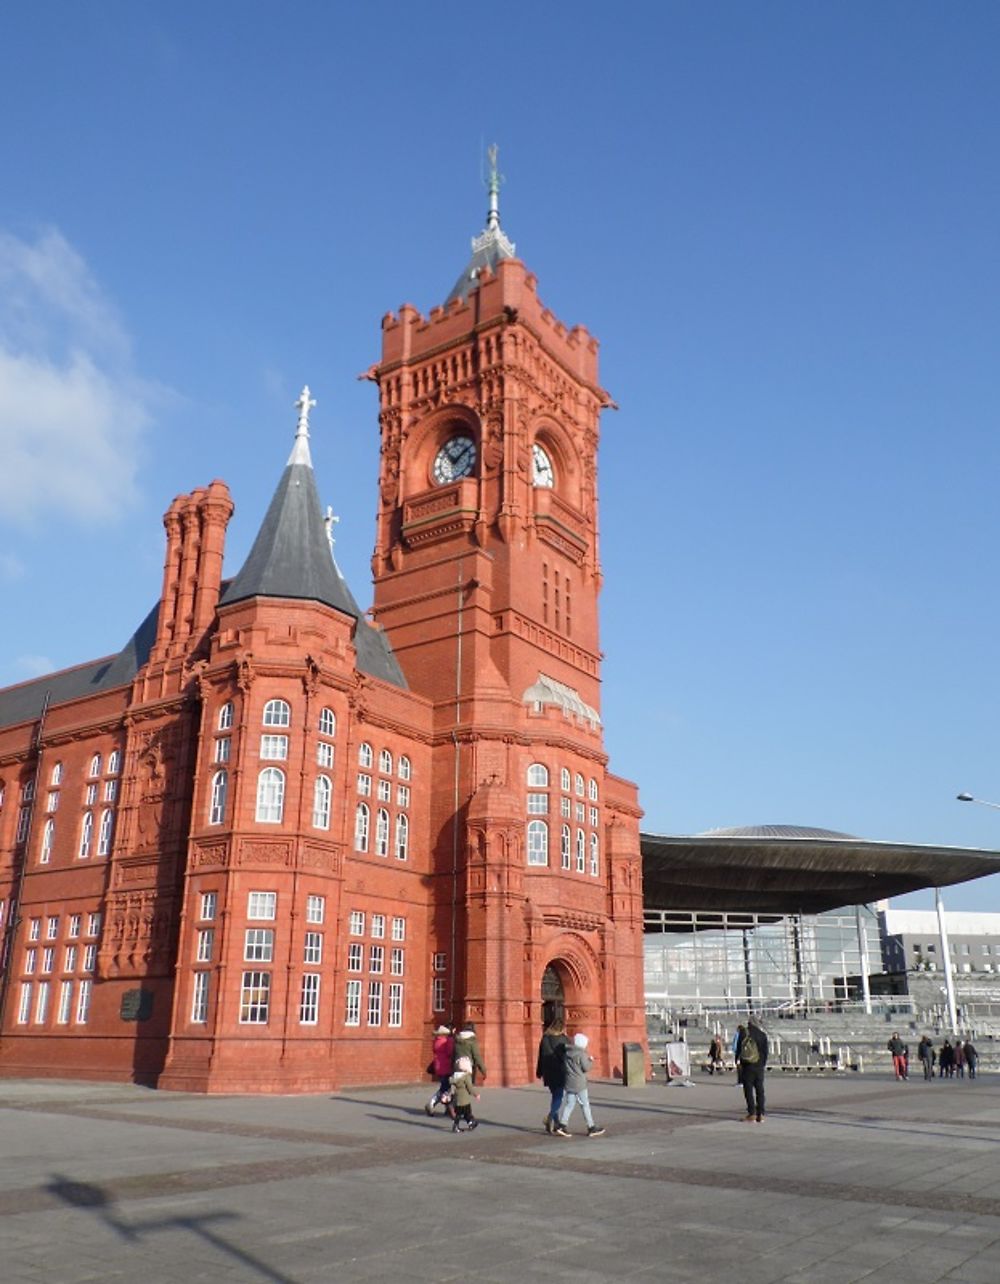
(462, 1095)
(578, 1062)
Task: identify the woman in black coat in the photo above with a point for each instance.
(551, 1068)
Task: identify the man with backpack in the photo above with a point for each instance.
(751, 1060)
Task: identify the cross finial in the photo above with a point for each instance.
(328, 521)
(304, 404)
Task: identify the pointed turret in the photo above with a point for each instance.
(491, 245)
(292, 557)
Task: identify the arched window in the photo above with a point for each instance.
(95, 765)
(217, 809)
(538, 842)
(226, 716)
(402, 837)
(382, 833)
(48, 834)
(327, 722)
(565, 780)
(365, 758)
(114, 762)
(592, 789)
(56, 777)
(581, 852)
(405, 770)
(322, 794)
(385, 762)
(28, 790)
(86, 834)
(579, 785)
(277, 713)
(104, 833)
(361, 821)
(595, 855)
(538, 775)
(271, 796)
(566, 847)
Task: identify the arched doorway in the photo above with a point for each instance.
(553, 995)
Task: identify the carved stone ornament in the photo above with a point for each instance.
(311, 677)
(245, 673)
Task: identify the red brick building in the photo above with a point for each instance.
(273, 841)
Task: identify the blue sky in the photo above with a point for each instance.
(781, 220)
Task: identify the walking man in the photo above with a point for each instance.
(751, 1060)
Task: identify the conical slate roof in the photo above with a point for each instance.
(491, 245)
(291, 558)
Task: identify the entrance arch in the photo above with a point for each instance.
(553, 996)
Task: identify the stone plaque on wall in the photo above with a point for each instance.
(137, 1005)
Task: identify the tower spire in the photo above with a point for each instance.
(300, 450)
(492, 244)
(493, 183)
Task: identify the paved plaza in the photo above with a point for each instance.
(847, 1179)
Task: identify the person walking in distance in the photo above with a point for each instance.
(715, 1055)
(467, 1045)
(551, 1068)
(898, 1050)
(925, 1051)
(751, 1060)
(578, 1063)
(463, 1094)
(960, 1058)
(971, 1057)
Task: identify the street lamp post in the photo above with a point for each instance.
(943, 931)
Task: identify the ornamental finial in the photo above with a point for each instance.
(300, 450)
(493, 183)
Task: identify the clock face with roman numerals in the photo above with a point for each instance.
(455, 459)
(541, 468)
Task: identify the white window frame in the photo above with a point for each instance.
(48, 837)
(106, 832)
(378, 927)
(437, 994)
(207, 906)
(89, 958)
(566, 847)
(362, 825)
(352, 1007)
(94, 923)
(225, 721)
(114, 762)
(95, 765)
(258, 945)
(592, 791)
(315, 908)
(355, 957)
(277, 713)
(270, 796)
(312, 949)
(365, 755)
(384, 792)
(69, 958)
(35, 929)
(24, 1003)
(538, 776)
(262, 907)
(217, 806)
(65, 1002)
(538, 843)
(255, 998)
(322, 800)
(374, 1003)
(86, 835)
(581, 852)
(395, 1012)
(223, 749)
(90, 797)
(52, 927)
(74, 926)
(402, 795)
(376, 959)
(364, 785)
(538, 804)
(595, 856)
(385, 762)
(309, 999)
(579, 786)
(206, 945)
(397, 961)
(199, 998)
(327, 723)
(324, 755)
(110, 790)
(382, 832)
(42, 1002)
(398, 929)
(357, 923)
(273, 747)
(402, 836)
(405, 768)
(56, 775)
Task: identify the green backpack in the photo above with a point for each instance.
(749, 1052)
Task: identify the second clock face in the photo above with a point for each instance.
(541, 467)
(455, 459)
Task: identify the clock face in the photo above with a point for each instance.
(455, 459)
(541, 467)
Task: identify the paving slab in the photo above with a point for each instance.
(847, 1179)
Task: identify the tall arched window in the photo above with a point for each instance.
(327, 723)
(57, 772)
(592, 789)
(48, 834)
(95, 765)
(581, 852)
(595, 855)
(538, 842)
(365, 758)
(86, 834)
(322, 793)
(579, 785)
(271, 796)
(538, 775)
(566, 847)
(402, 836)
(361, 821)
(217, 809)
(104, 833)
(114, 762)
(405, 770)
(226, 716)
(565, 780)
(382, 833)
(277, 713)
(385, 762)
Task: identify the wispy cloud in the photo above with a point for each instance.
(72, 409)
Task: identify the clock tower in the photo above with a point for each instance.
(487, 577)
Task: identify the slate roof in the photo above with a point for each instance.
(24, 702)
(291, 558)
